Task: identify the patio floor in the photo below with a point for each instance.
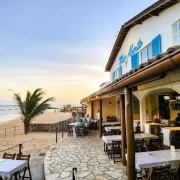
(87, 155)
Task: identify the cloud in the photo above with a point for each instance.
(82, 54)
(73, 73)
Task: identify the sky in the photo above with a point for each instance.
(61, 46)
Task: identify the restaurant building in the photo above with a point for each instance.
(144, 67)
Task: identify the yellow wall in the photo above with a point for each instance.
(151, 105)
(96, 106)
(109, 110)
(136, 116)
(89, 108)
(173, 114)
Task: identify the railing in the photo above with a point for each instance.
(11, 131)
(9, 150)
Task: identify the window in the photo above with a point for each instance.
(176, 32)
(115, 74)
(146, 53)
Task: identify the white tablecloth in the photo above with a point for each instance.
(110, 123)
(109, 139)
(9, 167)
(76, 124)
(157, 158)
(109, 128)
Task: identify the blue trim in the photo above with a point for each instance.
(135, 60)
(156, 45)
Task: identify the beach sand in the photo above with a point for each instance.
(32, 141)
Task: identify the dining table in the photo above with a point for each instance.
(8, 167)
(109, 139)
(109, 128)
(110, 123)
(144, 160)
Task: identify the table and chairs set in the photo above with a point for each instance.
(14, 166)
(75, 130)
(151, 161)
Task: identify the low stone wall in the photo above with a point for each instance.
(61, 126)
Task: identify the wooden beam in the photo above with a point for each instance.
(130, 135)
(123, 128)
(100, 117)
(92, 109)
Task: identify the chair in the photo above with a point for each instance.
(80, 131)
(116, 150)
(161, 173)
(9, 156)
(25, 158)
(108, 150)
(115, 132)
(70, 130)
(176, 139)
(140, 146)
(154, 144)
(92, 126)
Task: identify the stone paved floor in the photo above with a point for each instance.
(87, 155)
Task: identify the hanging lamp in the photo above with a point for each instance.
(172, 97)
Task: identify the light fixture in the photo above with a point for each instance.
(118, 102)
(109, 102)
(172, 97)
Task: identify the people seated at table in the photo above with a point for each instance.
(177, 120)
(87, 118)
(81, 123)
(82, 118)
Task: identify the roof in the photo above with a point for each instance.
(143, 67)
(152, 10)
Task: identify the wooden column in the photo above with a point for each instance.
(129, 135)
(100, 117)
(123, 128)
(92, 109)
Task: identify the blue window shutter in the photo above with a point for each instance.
(135, 60)
(156, 45)
(120, 71)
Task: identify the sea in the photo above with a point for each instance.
(8, 112)
(11, 112)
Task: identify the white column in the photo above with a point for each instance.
(142, 104)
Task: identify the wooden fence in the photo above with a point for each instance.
(61, 126)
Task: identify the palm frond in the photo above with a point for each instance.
(41, 108)
(20, 104)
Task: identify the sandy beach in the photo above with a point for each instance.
(32, 141)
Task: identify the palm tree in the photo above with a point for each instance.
(32, 106)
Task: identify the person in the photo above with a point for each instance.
(177, 120)
(82, 118)
(87, 119)
(81, 123)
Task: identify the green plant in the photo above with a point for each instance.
(32, 106)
